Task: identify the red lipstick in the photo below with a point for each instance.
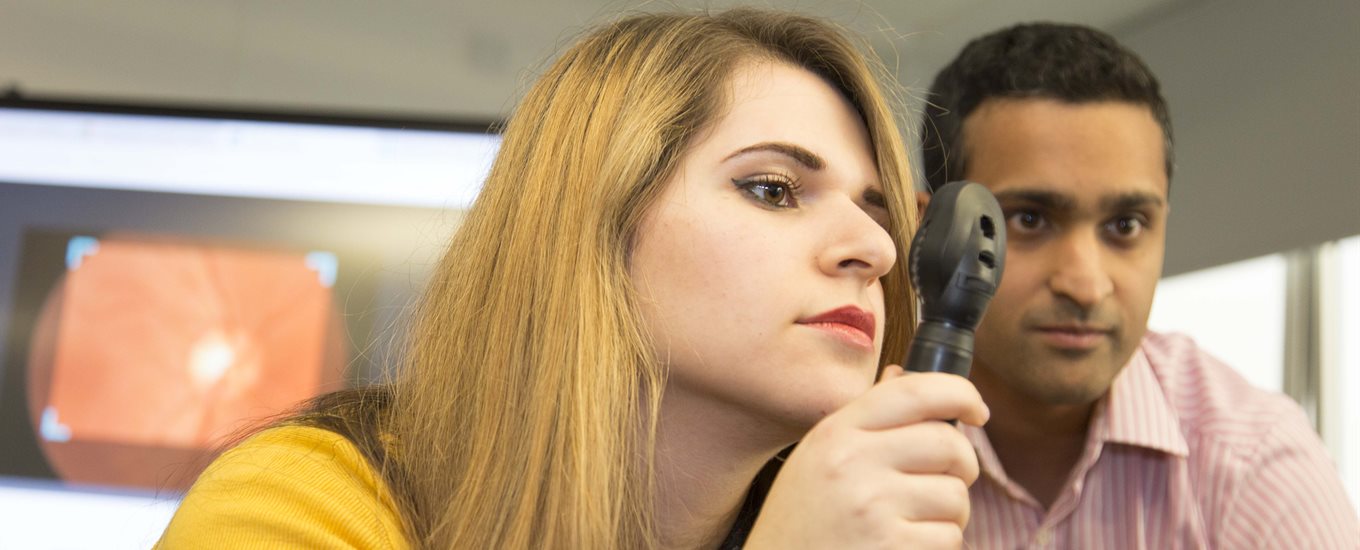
(849, 323)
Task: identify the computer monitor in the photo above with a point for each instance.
(172, 278)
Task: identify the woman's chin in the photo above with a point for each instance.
(807, 412)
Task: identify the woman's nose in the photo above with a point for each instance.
(857, 245)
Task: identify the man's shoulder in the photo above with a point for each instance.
(1216, 406)
(1262, 475)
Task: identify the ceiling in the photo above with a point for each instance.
(445, 58)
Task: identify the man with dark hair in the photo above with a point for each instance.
(1105, 435)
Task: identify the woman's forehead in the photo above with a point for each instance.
(776, 101)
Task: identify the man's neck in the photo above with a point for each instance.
(704, 466)
(1037, 443)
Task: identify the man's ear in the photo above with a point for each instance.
(922, 200)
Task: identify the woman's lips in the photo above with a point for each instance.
(849, 324)
(846, 333)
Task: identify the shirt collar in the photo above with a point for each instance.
(1134, 412)
(1138, 412)
(990, 464)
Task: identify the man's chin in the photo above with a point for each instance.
(1076, 395)
(1082, 388)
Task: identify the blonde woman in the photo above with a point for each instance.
(677, 267)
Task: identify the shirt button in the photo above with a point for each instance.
(1043, 537)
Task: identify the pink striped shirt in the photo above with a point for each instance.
(1182, 453)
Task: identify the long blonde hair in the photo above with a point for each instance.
(524, 415)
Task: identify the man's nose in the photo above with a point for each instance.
(1079, 271)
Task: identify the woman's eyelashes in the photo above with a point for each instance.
(777, 191)
(770, 190)
(875, 198)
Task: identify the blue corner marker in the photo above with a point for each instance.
(51, 429)
(325, 265)
(78, 248)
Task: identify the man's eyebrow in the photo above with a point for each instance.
(803, 156)
(1131, 201)
(1055, 201)
(1048, 199)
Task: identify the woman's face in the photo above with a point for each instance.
(758, 266)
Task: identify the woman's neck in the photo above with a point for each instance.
(707, 454)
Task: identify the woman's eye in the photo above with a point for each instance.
(770, 191)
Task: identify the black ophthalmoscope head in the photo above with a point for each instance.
(956, 261)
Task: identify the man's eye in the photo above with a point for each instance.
(771, 191)
(1126, 227)
(1025, 221)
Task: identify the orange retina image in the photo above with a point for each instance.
(150, 350)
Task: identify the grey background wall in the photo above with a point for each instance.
(1265, 95)
(1265, 98)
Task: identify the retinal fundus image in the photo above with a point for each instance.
(148, 351)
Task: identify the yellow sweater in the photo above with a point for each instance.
(287, 487)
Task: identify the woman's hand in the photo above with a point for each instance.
(885, 471)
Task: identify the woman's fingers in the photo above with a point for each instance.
(884, 471)
(902, 399)
(933, 534)
(928, 448)
(933, 498)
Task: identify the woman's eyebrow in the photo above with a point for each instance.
(804, 157)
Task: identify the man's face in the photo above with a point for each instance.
(1084, 192)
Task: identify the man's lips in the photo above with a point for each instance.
(850, 323)
(1073, 337)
